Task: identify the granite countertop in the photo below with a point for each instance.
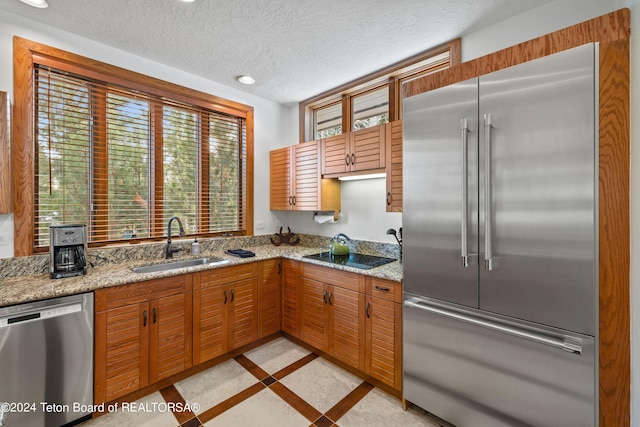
(34, 287)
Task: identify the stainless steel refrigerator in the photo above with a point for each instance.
(500, 246)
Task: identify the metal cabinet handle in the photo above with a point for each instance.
(366, 310)
(353, 158)
(464, 130)
(389, 199)
(488, 212)
(232, 295)
(324, 296)
(144, 318)
(154, 315)
(290, 200)
(379, 288)
(330, 295)
(498, 327)
(225, 297)
(294, 200)
(280, 268)
(346, 159)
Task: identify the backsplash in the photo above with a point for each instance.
(39, 264)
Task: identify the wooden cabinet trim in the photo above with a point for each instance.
(345, 279)
(5, 158)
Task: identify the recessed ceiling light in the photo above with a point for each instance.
(36, 3)
(246, 80)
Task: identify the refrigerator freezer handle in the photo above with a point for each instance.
(464, 129)
(564, 345)
(488, 214)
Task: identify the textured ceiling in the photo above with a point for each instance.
(294, 49)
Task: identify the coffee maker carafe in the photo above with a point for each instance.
(68, 248)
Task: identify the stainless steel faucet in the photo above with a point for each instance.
(170, 251)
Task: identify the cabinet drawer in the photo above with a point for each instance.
(387, 289)
(119, 296)
(343, 279)
(224, 275)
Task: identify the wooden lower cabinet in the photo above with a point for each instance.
(142, 334)
(148, 331)
(225, 310)
(269, 299)
(291, 298)
(332, 319)
(383, 312)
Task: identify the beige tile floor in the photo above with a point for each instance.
(278, 384)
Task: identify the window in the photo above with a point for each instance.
(123, 157)
(370, 109)
(371, 100)
(328, 121)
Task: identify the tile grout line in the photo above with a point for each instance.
(171, 394)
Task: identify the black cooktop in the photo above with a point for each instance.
(362, 261)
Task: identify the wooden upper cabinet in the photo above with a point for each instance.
(296, 183)
(5, 157)
(280, 179)
(394, 166)
(359, 151)
(336, 154)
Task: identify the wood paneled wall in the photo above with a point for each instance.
(612, 31)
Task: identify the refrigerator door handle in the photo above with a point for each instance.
(488, 213)
(571, 347)
(464, 129)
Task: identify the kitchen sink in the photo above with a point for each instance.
(172, 265)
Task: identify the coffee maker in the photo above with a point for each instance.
(68, 248)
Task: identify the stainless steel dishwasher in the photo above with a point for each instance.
(46, 362)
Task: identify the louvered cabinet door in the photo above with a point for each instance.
(384, 341)
(122, 351)
(394, 166)
(210, 330)
(269, 274)
(314, 307)
(368, 148)
(336, 155)
(291, 298)
(170, 336)
(346, 319)
(306, 183)
(280, 179)
(243, 312)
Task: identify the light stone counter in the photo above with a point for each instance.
(32, 287)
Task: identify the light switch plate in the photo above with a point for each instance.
(5, 239)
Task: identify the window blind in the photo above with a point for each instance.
(123, 162)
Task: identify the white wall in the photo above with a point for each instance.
(269, 116)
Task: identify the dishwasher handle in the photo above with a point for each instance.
(43, 313)
(498, 327)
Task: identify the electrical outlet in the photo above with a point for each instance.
(259, 225)
(4, 239)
